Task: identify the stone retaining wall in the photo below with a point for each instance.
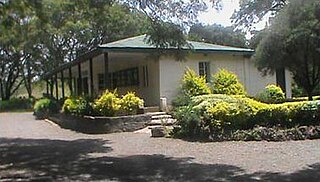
(100, 125)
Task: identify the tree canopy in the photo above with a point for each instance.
(253, 11)
(293, 42)
(218, 34)
(37, 36)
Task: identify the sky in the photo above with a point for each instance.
(222, 17)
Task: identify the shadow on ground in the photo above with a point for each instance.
(59, 160)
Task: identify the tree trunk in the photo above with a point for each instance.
(310, 96)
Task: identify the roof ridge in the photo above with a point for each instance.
(125, 39)
(138, 42)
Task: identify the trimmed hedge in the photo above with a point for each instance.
(16, 104)
(272, 94)
(216, 114)
(44, 107)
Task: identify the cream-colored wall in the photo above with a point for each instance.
(171, 72)
(289, 78)
(120, 61)
(165, 75)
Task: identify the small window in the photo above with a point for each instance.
(101, 81)
(125, 78)
(204, 70)
(145, 76)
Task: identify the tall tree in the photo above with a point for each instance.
(170, 18)
(17, 46)
(253, 11)
(218, 34)
(293, 42)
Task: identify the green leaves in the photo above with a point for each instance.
(226, 82)
(292, 42)
(218, 34)
(194, 85)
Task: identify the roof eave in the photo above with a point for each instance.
(82, 58)
(138, 49)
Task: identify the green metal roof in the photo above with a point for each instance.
(138, 43)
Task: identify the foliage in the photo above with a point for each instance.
(226, 82)
(44, 107)
(16, 104)
(108, 104)
(252, 12)
(190, 123)
(271, 94)
(194, 85)
(292, 43)
(217, 34)
(277, 134)
(130, 103)
(78, 106)
(37, 36)
(214, 115)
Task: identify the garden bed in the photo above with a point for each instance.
(101, 125)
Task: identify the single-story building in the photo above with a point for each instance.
(128, 65)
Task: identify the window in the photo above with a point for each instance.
(126, 78)
(145, 76)
(101, 81)
(204, 70)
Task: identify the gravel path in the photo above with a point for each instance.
(35, 150)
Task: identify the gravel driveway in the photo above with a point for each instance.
(35, 150)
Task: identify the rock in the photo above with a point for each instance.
(303, 129)
(158, 131)
(312, 132)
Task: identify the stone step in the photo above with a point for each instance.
(151, 109)
(165, 122)
(156, 113)
(163, 116)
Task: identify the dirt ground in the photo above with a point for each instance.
(35, 150)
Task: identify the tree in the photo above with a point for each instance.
(170, 18)
(16, 49)
(253, 11)
(218, 34)
(38, 36)
(293, 42)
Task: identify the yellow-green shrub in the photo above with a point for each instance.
(130, 103)
(193, 85)
(272, 94)
(226, 82)
(213, 114)
(78, 106)
(108, 104)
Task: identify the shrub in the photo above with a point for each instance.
(226, 82)
(78, 106)
(108, 104)
(130, 103)
(276, 134)
(272, 94)
(190, 123)
(212, 115)
(16, 104)
(44, 107)
(193, 85)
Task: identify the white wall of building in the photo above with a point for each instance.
(171, 72)
(164, 76)
(120, 61)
